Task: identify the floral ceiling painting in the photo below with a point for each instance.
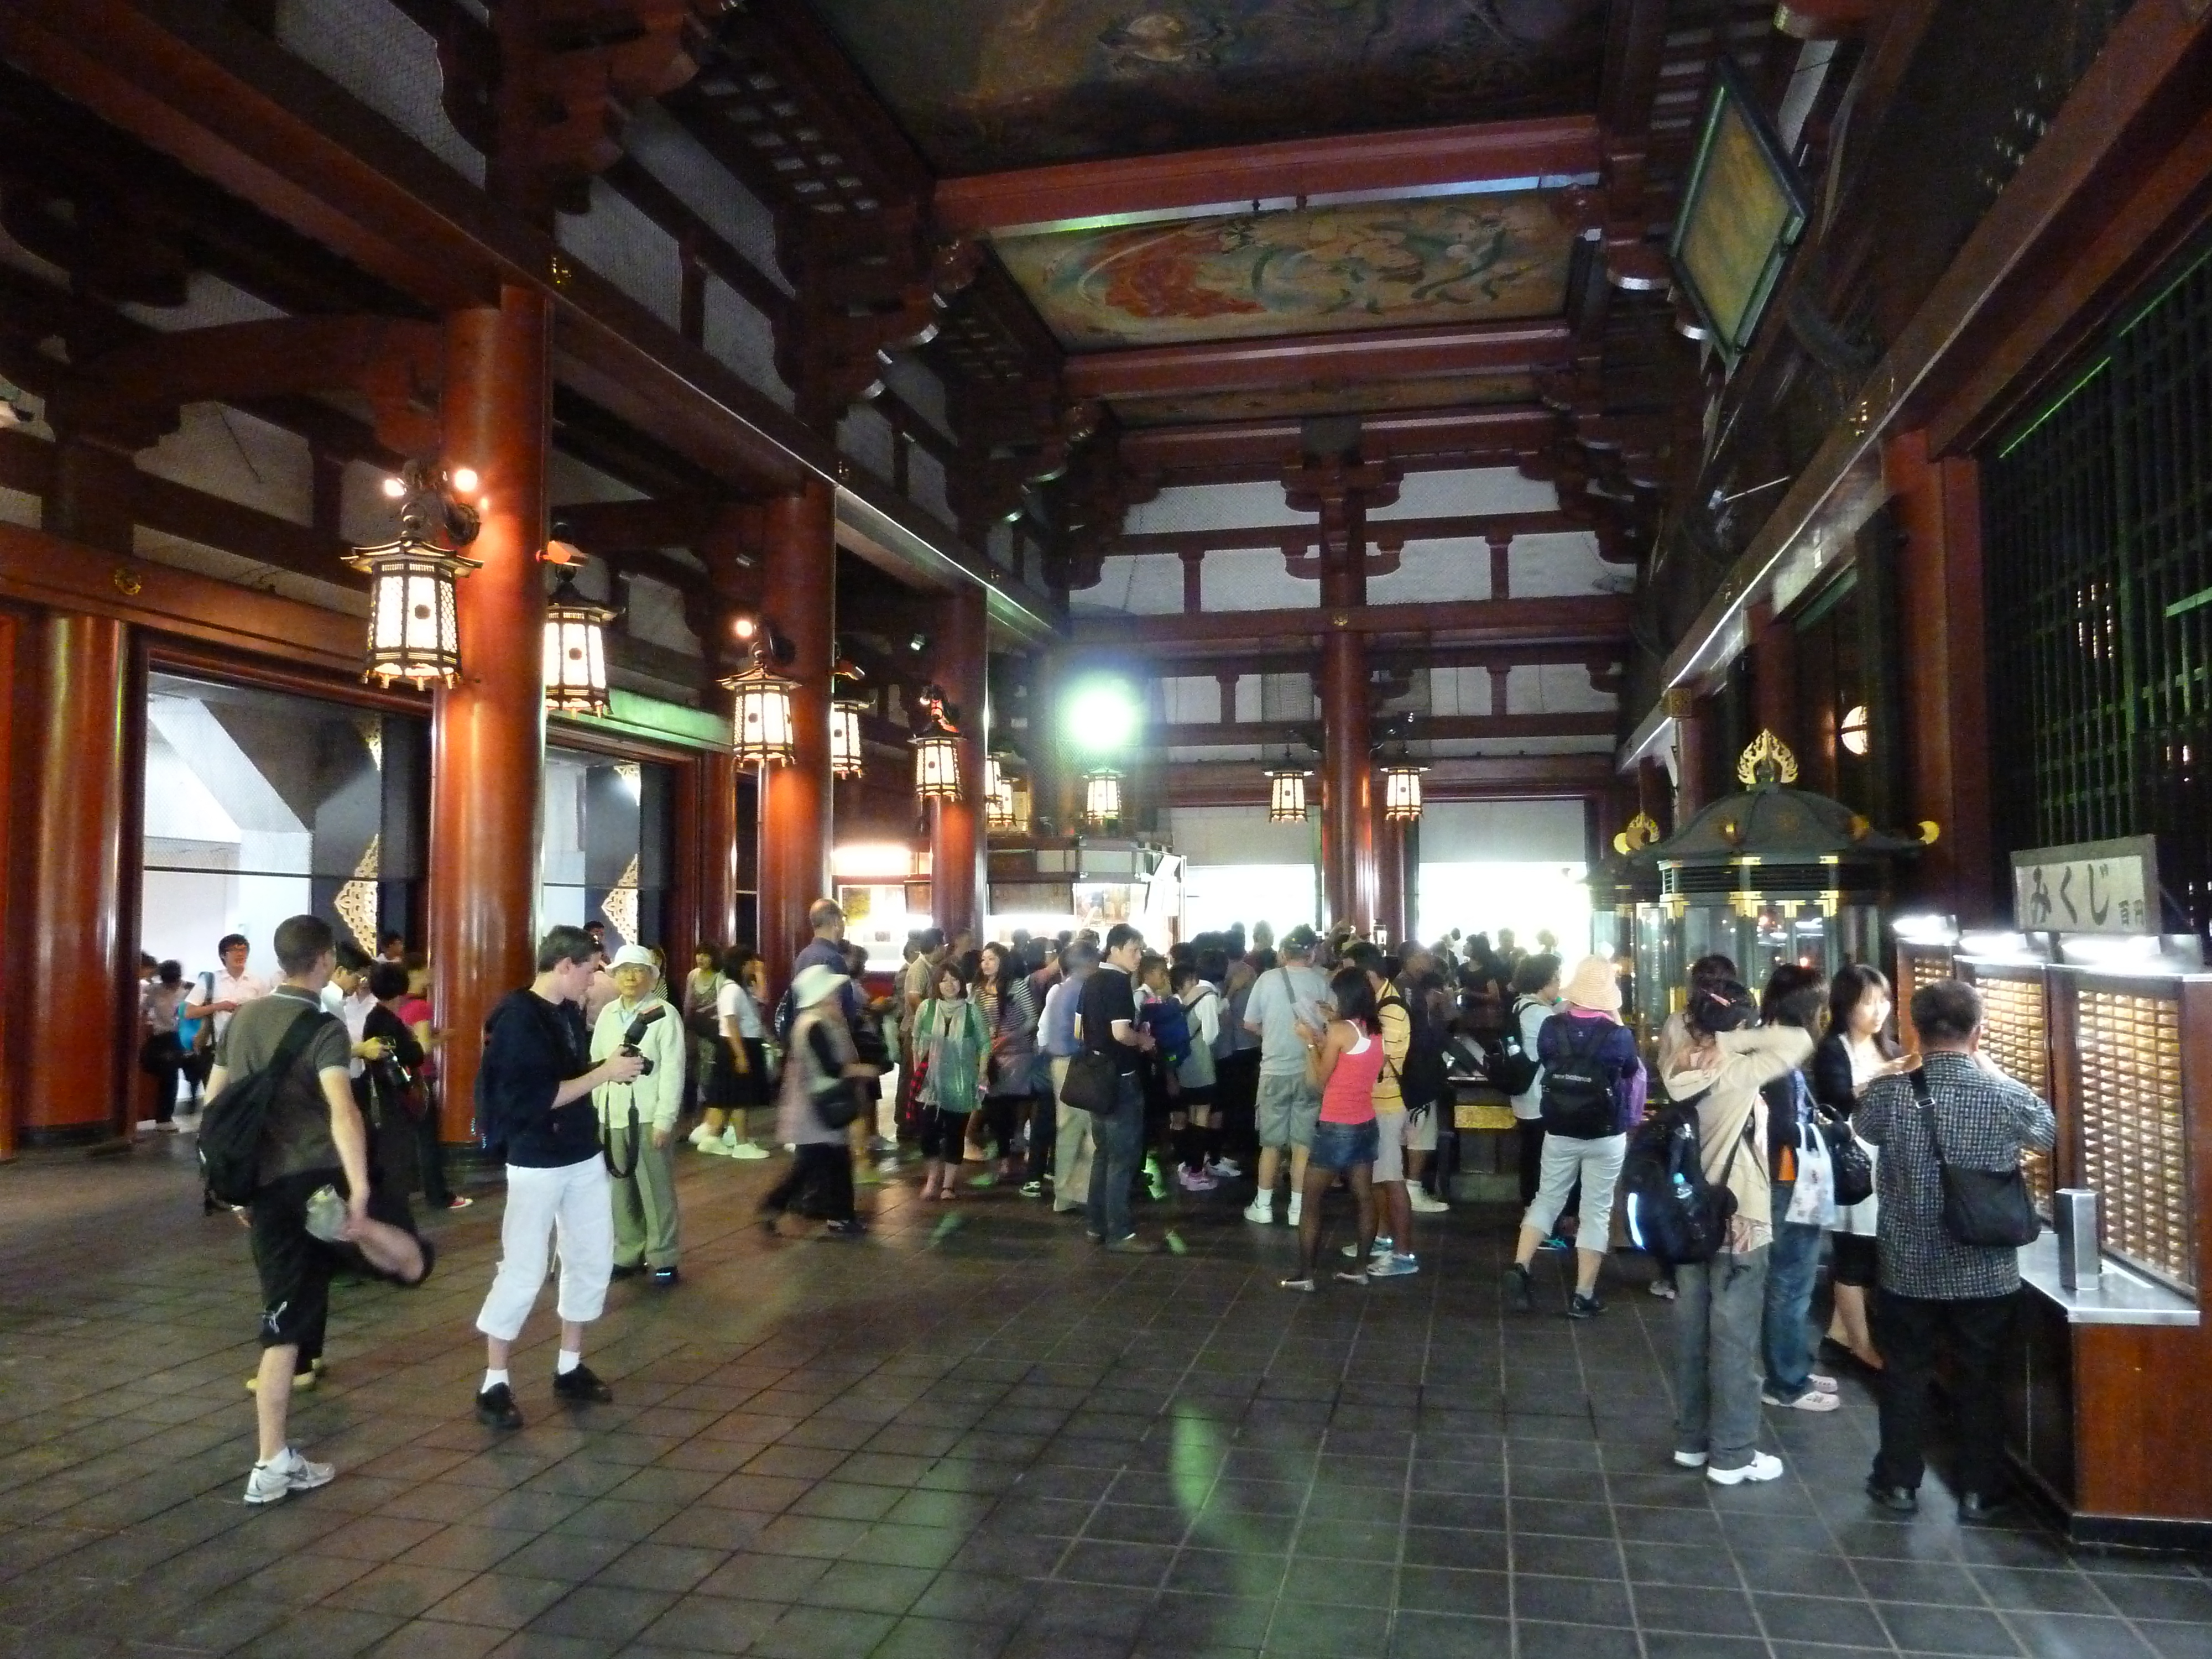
(1451, 259)
(982, 86)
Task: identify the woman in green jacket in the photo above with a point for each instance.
(950, 1034)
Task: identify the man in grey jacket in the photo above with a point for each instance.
(1938, 1294)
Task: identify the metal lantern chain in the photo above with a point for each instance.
(575, 649)
(936, 751)
(414, 631)
(848, 702)
(762, 729)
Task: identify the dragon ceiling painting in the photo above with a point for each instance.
(1441, 260)
(987, 85)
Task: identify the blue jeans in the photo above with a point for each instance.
(1118, 1140)
(1785, 1335)
(1716, 1360)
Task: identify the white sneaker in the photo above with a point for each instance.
(1224, 1168)
(1386, 1266)
(282, 1475)
(744, 1150)
(1691, 1460)
(1811, 1400)
(1422, 1204)
(1297, 1208)
(700, 1134)
(1261, 1212)
(1381, 1246)
(1763, 1466)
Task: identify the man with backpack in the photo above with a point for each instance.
(1592, 1090)
(282, 1137)
(1722, 1293)
(1289, 1103)
(534, 1107)
(1513, 1067)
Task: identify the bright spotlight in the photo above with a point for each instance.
(1102, 716)
(465, 480)
(393, 489)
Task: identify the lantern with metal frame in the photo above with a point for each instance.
(1286, 795)
(414, 631)
(762, 731)
(848, 702)
(575, 649)
(1102, 800)
(1401, 791)
(1001, 802)
(936, 751)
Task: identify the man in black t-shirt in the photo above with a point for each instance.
(312, 1138)
(534, 1106)
(1107, 1022)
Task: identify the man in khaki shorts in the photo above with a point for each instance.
(1288, 1105)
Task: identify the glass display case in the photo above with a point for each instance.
(1773, 874)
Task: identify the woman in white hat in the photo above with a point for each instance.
(818, 1102)
(644, 1179)
(1592, 1090)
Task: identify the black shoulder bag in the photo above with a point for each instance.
(1988, 1207)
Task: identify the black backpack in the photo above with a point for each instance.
(1510, 1066)
(235, 1123)
(1425, 1075)
(1577, 1101)
(1671, 1210)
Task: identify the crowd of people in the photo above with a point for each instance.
(1094, 1074)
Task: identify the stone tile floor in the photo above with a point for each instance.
(968, 1436)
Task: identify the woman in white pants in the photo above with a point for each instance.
(1593, 1089)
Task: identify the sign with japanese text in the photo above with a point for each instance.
(2092, 887)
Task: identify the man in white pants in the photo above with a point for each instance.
(534, 1104)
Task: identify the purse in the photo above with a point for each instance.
(1991, 1207)
(1847, 1153)
(1091, 1084)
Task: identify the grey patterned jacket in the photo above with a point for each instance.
(1986, 1119)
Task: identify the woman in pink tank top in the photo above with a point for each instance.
(1343, 1062)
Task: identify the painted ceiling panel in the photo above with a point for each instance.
(984, 86)
(1443, 260)
(1441, 391)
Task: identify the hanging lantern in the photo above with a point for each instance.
(936, 753)
(414, 633)
(762, 730)
(1102, 800)
(1286, 797)
(846, 703)
(1001, 810)
(576, 651)
(1401, 793)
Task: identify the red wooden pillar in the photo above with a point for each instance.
(798, 571)
(1652, 797)
(1347, 808)
(717, 910)
(1943, 676)
(1774, 674)
(1389, 878)
(1693, 738)
(488, 734)
(957, 880)
(74, 962)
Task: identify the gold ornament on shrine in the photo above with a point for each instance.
(1768, 760)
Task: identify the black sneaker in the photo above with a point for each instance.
(496, 1407)
(851, 1228)
(581, 1386)
(1584, 1307)
(1519, 1296)
(627, 1270)
(1897, 1500)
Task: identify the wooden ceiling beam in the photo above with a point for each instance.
(1597, 622)
(1238, 661)
(1416, 440)
(1306, 360)
(1422, 728)
(1387, 534)
(1292, 173)
(609, 527)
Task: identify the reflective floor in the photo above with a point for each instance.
(968, 1435)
